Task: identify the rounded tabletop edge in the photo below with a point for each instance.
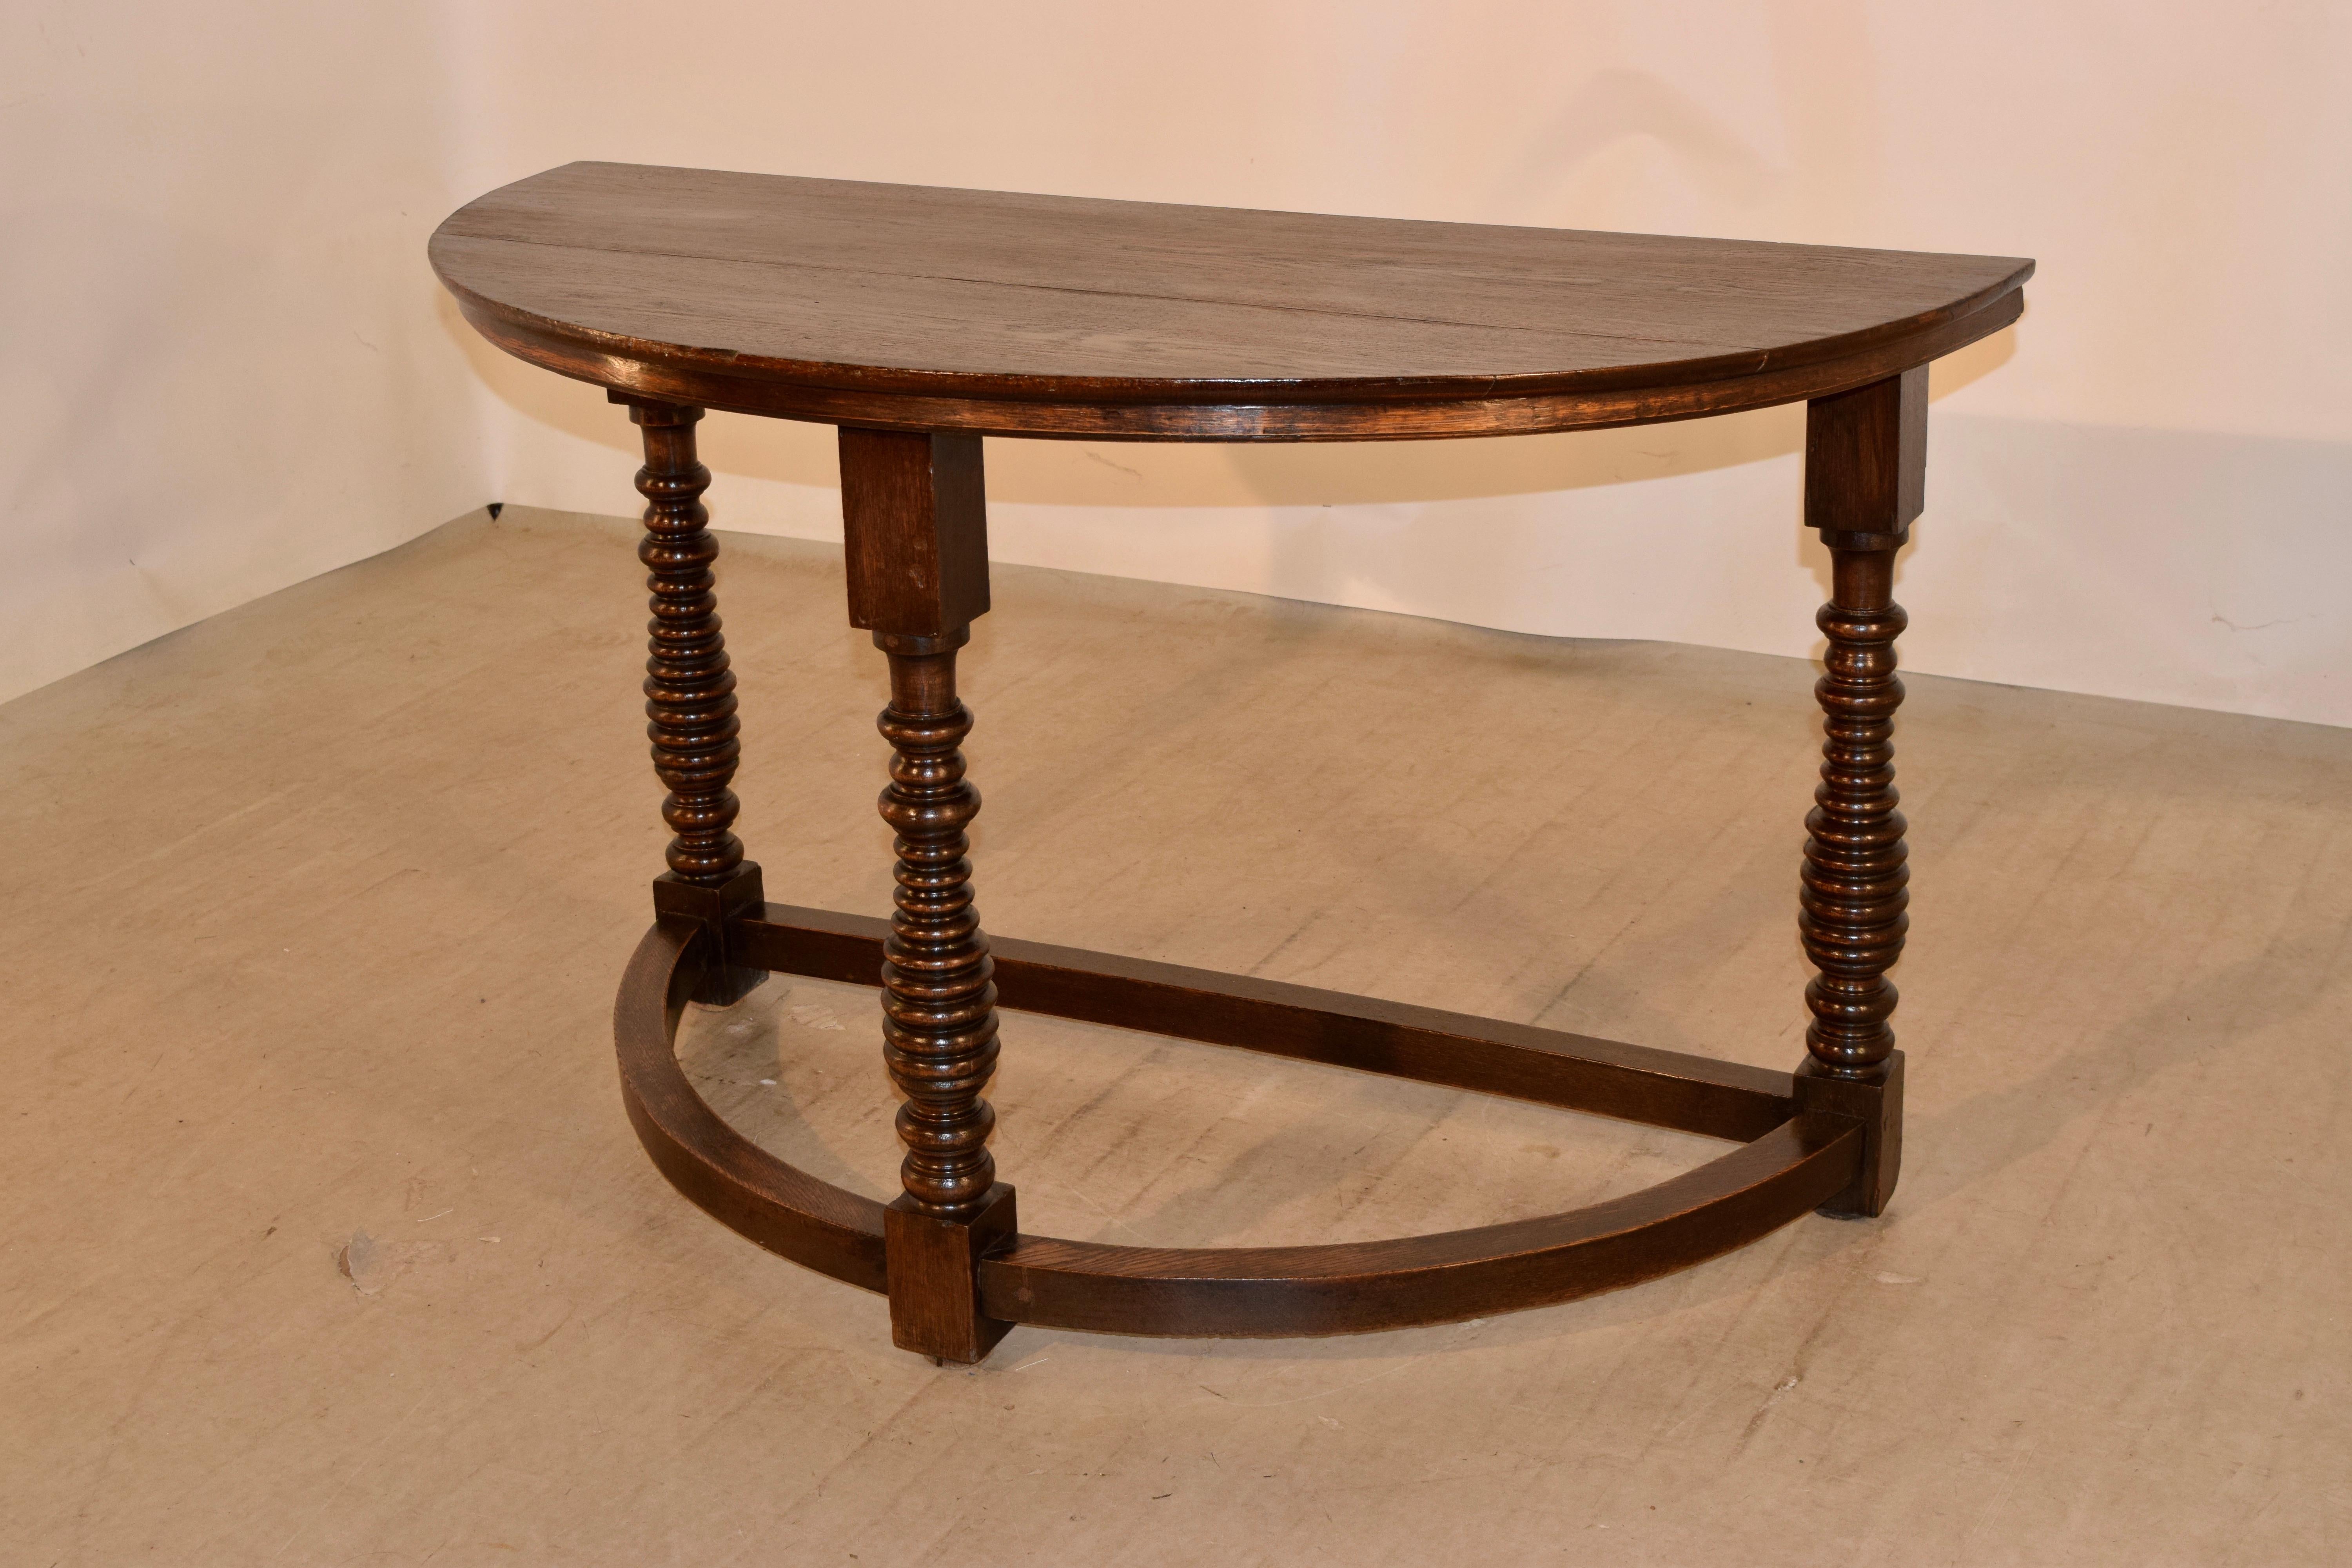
(659, 379)
(1200, 408)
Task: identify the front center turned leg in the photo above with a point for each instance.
(939, 1004)
(1856, 875)
(1866, 468)
(915, 540)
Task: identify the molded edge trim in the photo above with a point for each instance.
(1263, 412)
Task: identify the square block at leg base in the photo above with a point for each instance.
(724, 981)
(725, 985)
(1877, 1104)
(933, 1267)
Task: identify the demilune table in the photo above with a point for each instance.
(917, 321)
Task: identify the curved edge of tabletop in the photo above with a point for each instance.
(1138, 409)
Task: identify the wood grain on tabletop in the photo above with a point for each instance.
(952, 293)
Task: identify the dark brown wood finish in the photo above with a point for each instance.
(1866, 462)
(1249, 1292)
(736, 1182)
(689, 686)
(939, 1309)
(1866, 468)
(1874, 1104)
(915, 308)
(913, 532)
(939, 1003)
(1399, 417)
(1517, 1061)
(1856, 876)
(934, 1274)
(918, 319)
(690, 707)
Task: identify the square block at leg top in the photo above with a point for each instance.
(725, 982)
(1877, 1104)
(932, 1267)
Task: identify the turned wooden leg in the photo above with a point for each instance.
(1854, 900)
(938, 1000)
(1866, 462)
(914, 523)
(690, 700)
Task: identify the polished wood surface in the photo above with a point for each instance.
(1518, 1061)
(1248, 1292)
(913, 306)
(952, 1295)
(1851, 910)
(939, 1003)
(1866, 461)
(914, 530)
(689, 686)
(932, 1274)
(915, 538)
(1865, 481)
(732, 1179)
(916, 320)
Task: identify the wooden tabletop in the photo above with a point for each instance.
(917, 307)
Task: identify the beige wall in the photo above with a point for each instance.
(2140, 491)
(225, 372)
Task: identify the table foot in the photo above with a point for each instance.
(1875, 1105)
(932, 1268)
(719, 908)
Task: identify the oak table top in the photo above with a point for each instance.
(914, 307)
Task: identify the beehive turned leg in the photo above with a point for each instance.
(690, 700)
(914, 537)
(1865, 463)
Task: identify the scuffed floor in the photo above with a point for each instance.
(326, 1241)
